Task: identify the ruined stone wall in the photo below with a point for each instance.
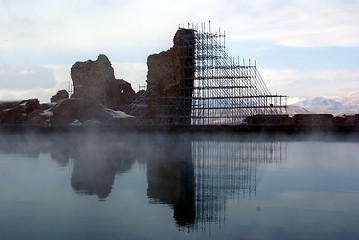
(95, 82)
(90, 77)
(60, 95)
(170, 80)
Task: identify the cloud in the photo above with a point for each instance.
(43, 32)
(296, 23)
(40, 93)
(62, 75)
(20, 75)
(22, 80)
(311, 83)
(80, 26)
(134, 73)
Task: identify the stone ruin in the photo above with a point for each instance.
(170, 80)
(60, 95)
(98, 99)
(95, 81)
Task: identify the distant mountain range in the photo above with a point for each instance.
(347, 104)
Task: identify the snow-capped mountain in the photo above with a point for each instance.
(322, 102)
(347, 104)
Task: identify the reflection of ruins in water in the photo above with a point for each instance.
(95, 167)
(170, 177)
(196, 178)
(95, 160)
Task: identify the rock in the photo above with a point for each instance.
(60, 95)
(38, 118)
(90, 77)
(140, 93)
(119, 94)
(67, 111)
(13, 116)
(18, 112)
(76, 110)
(8, 104)
(95, 81)
(31, 105)
(9, 112)
(170, 79)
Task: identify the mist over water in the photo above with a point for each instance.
(174, 186)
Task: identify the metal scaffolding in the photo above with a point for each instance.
(217, 89)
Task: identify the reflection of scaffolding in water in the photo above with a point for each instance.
(228, 170)
(224, 92)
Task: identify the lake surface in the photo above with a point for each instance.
(167, 186)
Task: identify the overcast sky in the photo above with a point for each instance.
(303, 48)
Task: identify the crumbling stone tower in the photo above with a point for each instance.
(95, 82)
(170, 81)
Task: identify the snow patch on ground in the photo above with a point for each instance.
(118, 114)
(47, 113)
(76, 123)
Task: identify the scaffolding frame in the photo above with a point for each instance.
(217, 89)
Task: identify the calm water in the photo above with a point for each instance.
(88, 186)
